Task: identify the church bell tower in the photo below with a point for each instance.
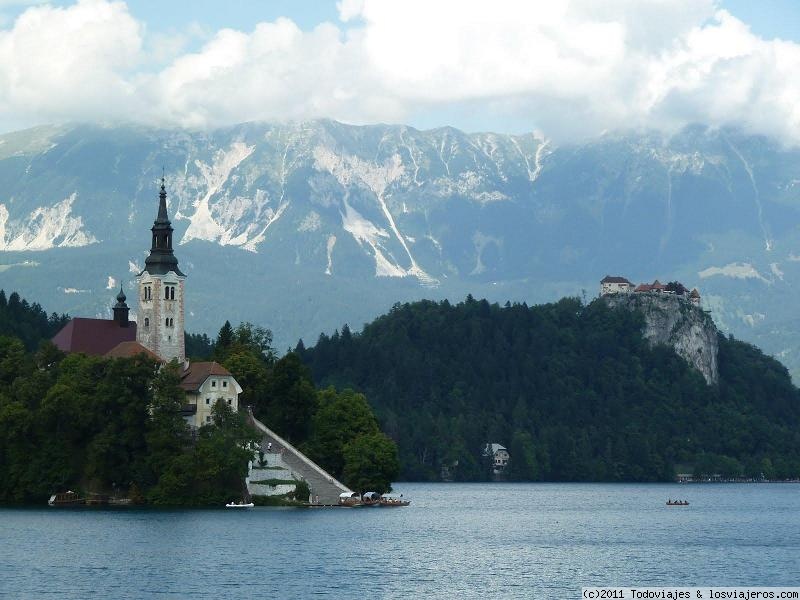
(159, 325)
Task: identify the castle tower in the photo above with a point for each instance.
(159, 325)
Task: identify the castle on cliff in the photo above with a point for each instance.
(614, 284)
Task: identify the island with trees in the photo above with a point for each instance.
(114, 425)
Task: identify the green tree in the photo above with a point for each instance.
(221, 454)
(116, 454)
(523, 465)
(212, 471)
(27, 322)
(167, 432)
(257, 340)
(252, 374)
(17, 448)
(291, 398)
(224, 340)
(370, 463)
(13, 359)
(340, 418)
(198, 346)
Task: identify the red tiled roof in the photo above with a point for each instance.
(93, 336)
(130, 349)
(193, 377)
(614, 279)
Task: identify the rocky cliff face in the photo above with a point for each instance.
(674, 322)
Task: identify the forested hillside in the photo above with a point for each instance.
(572, 390)
(27, 322)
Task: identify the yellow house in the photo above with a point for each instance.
(204, 384)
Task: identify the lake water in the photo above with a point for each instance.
(455, 540)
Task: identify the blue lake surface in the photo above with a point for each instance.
(454, 541)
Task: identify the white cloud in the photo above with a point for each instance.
(568, 68)
(111, 283)
(751, 320)
(275, 72)
(734, 270)
(166, 47)
(71, 63)
(583, 67)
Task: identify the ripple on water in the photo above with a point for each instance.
(455, 540)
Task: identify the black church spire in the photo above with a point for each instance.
(162, 205)
(121, 309)
(162, 259)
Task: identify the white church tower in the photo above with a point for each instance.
(159, 325)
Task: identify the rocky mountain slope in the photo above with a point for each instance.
(302, 227)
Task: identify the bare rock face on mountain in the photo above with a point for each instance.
(673, 321)
(302, 227)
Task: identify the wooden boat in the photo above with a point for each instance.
(68, 498)
(239, 505)
(350, 499)
(389, 501)
(677, 503)
(371, 499)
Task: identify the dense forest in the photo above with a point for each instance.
(27, 322)
(114, 425)
(573, 391)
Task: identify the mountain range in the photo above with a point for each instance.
(302, 227)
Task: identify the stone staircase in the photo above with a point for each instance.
(269, 465)
(324, 488)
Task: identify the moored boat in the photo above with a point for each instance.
(350, 499)
(93, 499)
(68, 498)
(389, 501)
(371, 499)
(677, 502)
(239, 505)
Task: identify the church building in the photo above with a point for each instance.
(161, 286)
(159, 327)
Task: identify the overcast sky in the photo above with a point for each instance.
(569, 69)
